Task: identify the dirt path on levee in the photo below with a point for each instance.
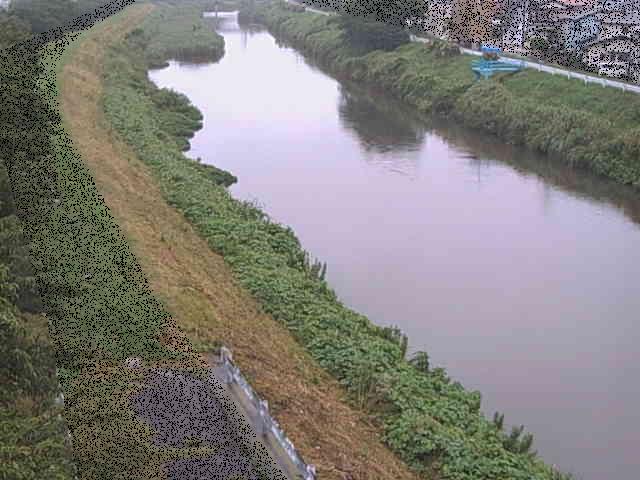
(198, 288)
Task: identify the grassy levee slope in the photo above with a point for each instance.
(429, 420)
(193, 282)
(588, 126)
(97, 301)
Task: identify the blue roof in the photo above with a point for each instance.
(489, 49)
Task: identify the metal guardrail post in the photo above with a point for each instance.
(310, 474)
(263, 412)
(225, 356)
(265, 422)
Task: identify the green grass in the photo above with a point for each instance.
(620, 108)
(99, 308)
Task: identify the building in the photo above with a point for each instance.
(560, 21)
(438, 18)
(542, 20)
(577, 27)
(525, 19)
(515, 17)
(617, 5)
(616, 50)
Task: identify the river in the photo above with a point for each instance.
(517, 275)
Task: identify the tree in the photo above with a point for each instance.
(12, 30)
(399, 13)
(43, 15)
(420, 361)
(471, 20)
(498, 420)
(366, 33)
(14, 252)
(540, 44)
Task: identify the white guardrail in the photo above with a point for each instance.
(266, 423)
(541, 67)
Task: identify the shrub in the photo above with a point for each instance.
(539, 43)
(367, 35)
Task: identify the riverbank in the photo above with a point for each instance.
(193, 283)
(430, 420)
(586, 126)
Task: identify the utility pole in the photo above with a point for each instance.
(525, 22)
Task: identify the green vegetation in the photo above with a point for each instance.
(12, 30)
(97, 303)
(99, 309)
(43, 15)
(294, 7)
(558, 116)
(32, 433)
(178, 32)
(367, 35)
(85, 269)
(434, 424)
(397, 13)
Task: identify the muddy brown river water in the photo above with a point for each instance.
(517, 275)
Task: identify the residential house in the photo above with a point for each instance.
(542, 20)
(561, 21)
(438, 18)
(472, 20)
(514, 21)
(578, 26)
(618, 5)
(616, 50)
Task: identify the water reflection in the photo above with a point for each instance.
(551, 172)
(388, 126)
(378, 126)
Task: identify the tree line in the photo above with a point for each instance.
(37, 16)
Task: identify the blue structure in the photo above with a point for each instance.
(485, 68)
